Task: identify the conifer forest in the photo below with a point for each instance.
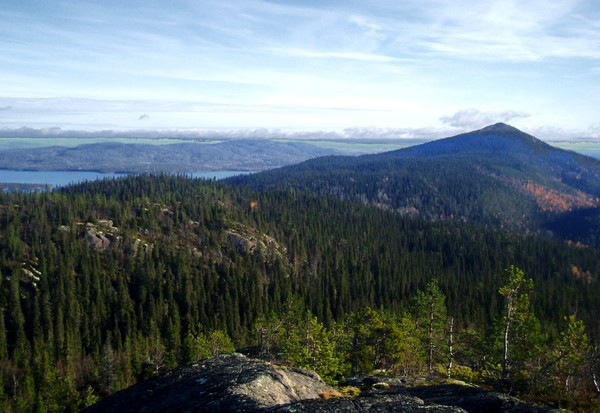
(109, 282)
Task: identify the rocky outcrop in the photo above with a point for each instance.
(242, 244)
(96, 239)
(370, 403)
(226, 383)
(247, 240)
(99, 235)
(473, 399)
(235, 383)
(469, 398)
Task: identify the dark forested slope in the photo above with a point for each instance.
(496, 176)
(107, 282)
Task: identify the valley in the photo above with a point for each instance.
(345, 265)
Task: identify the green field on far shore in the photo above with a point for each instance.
(589, 148)
(25, 143)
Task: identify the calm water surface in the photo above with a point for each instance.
(62, 178)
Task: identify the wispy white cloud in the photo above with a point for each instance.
(70, 106)
(411, 60)
(369, 28)
(492, 30)
(594, 131)
(314, 54)
(223, 134)
(469, 119)
(548, 133)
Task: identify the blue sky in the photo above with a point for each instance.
(416, 68)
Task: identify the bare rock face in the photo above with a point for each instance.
(370, 403)
(226, 383)
(235, 383)
(474, 399)
(461, 396)
(242, 244)
(96, 239)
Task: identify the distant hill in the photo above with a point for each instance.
(497, 176)
(245, 155)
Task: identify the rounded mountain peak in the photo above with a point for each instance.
(500, 127)
(497, 125)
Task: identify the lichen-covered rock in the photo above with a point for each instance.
(226, 383)
(371, 403)
(235, 383)
(474, 399)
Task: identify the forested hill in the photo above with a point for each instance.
(188, 157)
(108, 282)
(497, 176)
(492, 140)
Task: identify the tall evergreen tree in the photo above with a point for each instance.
(430, 316)
(517, 312)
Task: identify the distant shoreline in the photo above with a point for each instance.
(38, 180)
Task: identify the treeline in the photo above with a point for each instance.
(108, 282)
(515, 353)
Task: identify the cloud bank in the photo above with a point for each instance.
(226, 134)
(473, 118)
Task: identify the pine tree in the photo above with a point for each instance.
(195, 347)
(108, 368)
(430, 316)
(309, 347)
(381, 341)
(568, 357)
(219, 343)
(3, 339)
(518, 312)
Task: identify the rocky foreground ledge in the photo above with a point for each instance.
(235, 383)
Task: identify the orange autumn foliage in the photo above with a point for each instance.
(579, 274)
(551, 200)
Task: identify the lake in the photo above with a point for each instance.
(62, 178)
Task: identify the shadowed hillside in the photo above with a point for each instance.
(497, 176)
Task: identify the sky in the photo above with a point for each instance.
(422, 68)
